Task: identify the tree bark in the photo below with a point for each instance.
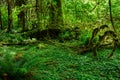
(38, 12)
(1, 27)
(56, 14)
(21, 15)
(9, 15)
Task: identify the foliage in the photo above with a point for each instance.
(50, 59)
(4, 16)
(51, 62)
(12, 37)
(84, 11)
(11, 67)
(85, 37)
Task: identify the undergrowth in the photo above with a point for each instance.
(49, 62)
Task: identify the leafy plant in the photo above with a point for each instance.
(84, 38)
(4, 16)
(10, 68)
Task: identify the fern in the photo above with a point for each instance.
(12, 68)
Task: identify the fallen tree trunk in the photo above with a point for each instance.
(42, 34)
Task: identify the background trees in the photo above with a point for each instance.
(0, 16)
(23, 15)
(38, 39)
(55, 13)
(9, 3)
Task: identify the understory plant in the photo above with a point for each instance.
(11, 68)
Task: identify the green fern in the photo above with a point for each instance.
(12, 68)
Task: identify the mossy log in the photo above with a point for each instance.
(43, 34)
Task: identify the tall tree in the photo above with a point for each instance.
(1, 27)
(21, 15)
(38, 12)
(9, 15)
(56, 14)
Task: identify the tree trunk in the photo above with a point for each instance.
(9, 15)
(21, 15)
(56, 14)
(38, 12)
(1, 27)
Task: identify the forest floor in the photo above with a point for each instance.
(45, 61)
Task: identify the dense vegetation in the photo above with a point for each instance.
(59, 40)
